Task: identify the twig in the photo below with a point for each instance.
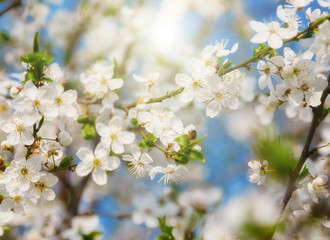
(14, 4)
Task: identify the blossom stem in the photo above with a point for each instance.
(299, 35)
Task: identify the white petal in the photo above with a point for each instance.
(136, 152)
(258, 26)
(260, 37)
(48, 194)
(204, 95)
(296, 97)
(84, 168)
(115, 83)
(110, 163)
(146, 159)
(117, 147)
(313, 99)
(126, 137)
(213, 108)
(13, 138)
(99, 176)
(183, 80)
(188, 94)
(27, 137)
(275, 41)
(85, 154)
(100, 151)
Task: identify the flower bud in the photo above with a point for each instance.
(6, 146)
(64, 138)
(15, 90)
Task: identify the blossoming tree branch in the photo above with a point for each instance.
(63, 143)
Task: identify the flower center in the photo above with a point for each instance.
(113, 136)
(20, 128)
(17, 199)
(36, 103)
(195, 84)
(41, 185)
(24, 171)
(305, 87)
(58, 101)
(96, 162)
(218, 95)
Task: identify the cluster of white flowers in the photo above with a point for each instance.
(205, 84)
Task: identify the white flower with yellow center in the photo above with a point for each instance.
(218, 94)
(98, 163)
(22, 172)
(113, 136)
(139, 162)
(257, 171)
(318, 188)
(18, 131)
(43, 187)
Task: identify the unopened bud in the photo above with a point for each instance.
(15, 90)
(64, 138)
(6, 146)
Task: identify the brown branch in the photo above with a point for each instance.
(12, 5)
(305, 152)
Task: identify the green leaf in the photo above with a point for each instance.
(148, 142)
(197, 155)
(135, 122)
(304, 173)
(88, 131)
(279, 154)
(181, 159)
(90, 236)
(196, 142)
(182, 141)
(4, 38)
(29, 76)
(227, 65)
(37, 57)
(66, 162)
(257, 231)
(261, 48)
(165, 229)
(41, 122)
(324, 114)
(115, 67)
(83, 119)
(36, 43)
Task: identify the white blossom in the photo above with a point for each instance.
(257, 171)
(98, 163)
(272, 33)
(172, 173)
(317, 188)
(139, 163)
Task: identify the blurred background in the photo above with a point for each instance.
(151, 35)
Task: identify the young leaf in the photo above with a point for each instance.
(165, 229)
(182, 141)
(148, 142)
(83, 119)
(36, 43)
(88, 131)
(66, 162)
(197, 155)
(196, 142)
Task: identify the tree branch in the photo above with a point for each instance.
(14, 4)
